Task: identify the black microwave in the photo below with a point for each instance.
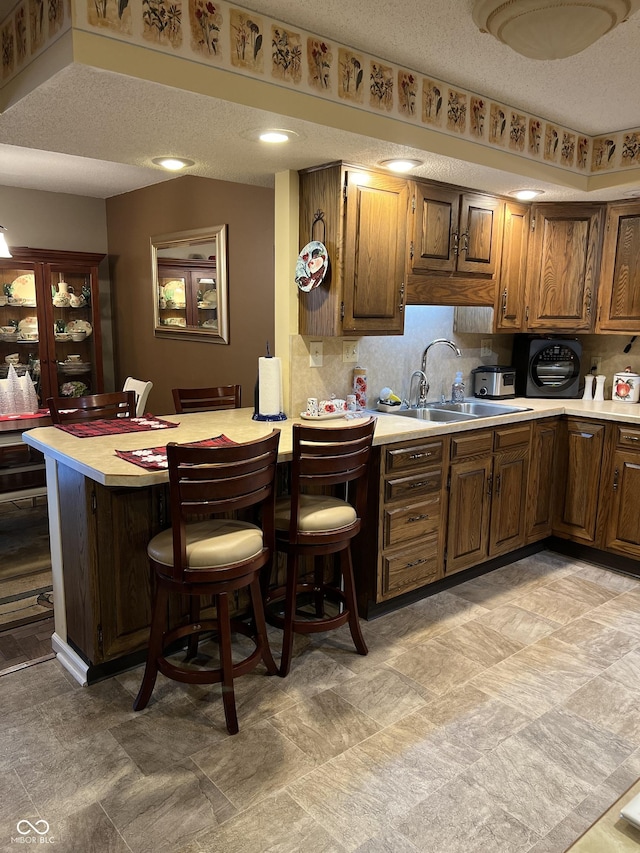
(547, 366)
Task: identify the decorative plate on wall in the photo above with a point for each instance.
(312, 266)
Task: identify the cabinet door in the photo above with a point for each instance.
(509, 501)
(374, 253)
(469, 504)
(436, 212)
(509, 313)
(563, 267)
(478, 244)
(619, 298)
(542, 469)
(623, 523)
(581, 448)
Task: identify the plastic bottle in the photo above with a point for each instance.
(457, 389)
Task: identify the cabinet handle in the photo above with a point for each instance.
(631, 438)
(417, 518)
(455, 238)
(401, 304)
(504, 302)
(420, 455)
(464, 245)
(489, 485)
(418, 485)
(615, 480)
(415, 563)
(498, 483)
(588, 302)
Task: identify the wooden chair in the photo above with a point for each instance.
(320, 524)
(213, 557)
(64, 410)
(206, 399)
(142, 390)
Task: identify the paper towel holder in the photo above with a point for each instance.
(257, 415)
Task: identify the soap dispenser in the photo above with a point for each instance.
(457, 389)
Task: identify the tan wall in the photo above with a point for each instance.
(181, 205)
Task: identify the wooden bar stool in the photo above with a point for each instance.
(206, 399)
(320, 524)
(213, 557)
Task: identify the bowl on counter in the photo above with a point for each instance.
(62, 336)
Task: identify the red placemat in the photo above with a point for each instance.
(26, 416)
(114, 426)
(155, 458)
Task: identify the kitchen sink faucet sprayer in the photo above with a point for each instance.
(424, 382)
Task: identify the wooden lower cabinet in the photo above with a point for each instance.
(411, 516)
(542, 472)
(578, 475)
(622, 494)
(107, 580)
(487, 495)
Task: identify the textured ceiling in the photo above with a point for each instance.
(91, 132)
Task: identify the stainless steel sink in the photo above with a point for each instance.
(478, 408)
(470, 410)
(433, 414)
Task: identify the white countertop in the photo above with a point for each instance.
(96, 459)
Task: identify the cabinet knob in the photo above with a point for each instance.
(417, 518)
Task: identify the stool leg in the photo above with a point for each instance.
(158, 623)
(350, 595)
(261, 626)
(226, 663)
(289, 613)
(194, 617)
(318, 584)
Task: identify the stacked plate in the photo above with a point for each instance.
(73, 367)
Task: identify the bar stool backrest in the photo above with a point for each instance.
(92, 406)
(206, 399)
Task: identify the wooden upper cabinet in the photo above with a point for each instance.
(619, 296)
(453, 231)
(509, 309)
(563, 266)
(375, 241)
(363, 225)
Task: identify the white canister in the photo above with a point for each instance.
(626, 387)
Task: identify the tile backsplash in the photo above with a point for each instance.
(390, 360)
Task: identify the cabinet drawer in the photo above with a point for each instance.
(411, 522)
(471, 444)
(416, 486)
(410, 569)
(507, 437)
(400, 459)
(629, 437)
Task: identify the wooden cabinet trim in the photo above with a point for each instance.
(471, 444)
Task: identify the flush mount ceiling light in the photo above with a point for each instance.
(276, 135)
(526, 195)
(550, 29)
(4, 249)
(400, 164)
(173, 164)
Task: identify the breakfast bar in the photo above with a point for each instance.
(103, 510)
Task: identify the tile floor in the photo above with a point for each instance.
(500, 716)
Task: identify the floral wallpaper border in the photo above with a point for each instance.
(230, 37)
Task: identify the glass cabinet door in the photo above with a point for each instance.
(75, 363)
(21, 341)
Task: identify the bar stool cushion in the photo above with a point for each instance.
(317, 513)
(211, 543)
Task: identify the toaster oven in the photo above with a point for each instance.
(494, 382)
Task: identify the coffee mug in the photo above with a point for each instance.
(14, 358)
(73, 358)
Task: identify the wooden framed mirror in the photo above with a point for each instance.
(190, 288)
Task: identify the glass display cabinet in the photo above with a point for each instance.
(50, 321)
(190, 284)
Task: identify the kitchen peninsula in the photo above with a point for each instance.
(103, 510)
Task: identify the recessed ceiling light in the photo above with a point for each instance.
(173, 164)
(276, 136)
(400, 164)
(526, 195)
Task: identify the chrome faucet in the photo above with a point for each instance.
(423, 388)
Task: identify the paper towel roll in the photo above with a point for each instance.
(270, 386)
